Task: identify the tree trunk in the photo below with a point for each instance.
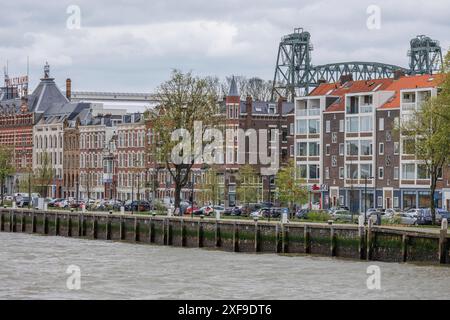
(178, 195)
(432, 206)
(2, 187)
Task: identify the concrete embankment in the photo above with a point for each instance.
(346, 241)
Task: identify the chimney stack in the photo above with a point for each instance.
(68, 88)
(345, 78)
(398, 74)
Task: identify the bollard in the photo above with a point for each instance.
(284, 218)
(443, 242)
(217, 215)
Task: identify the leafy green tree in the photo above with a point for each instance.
(6, 167)
(183, 100)
(429, 131)
(290, 188)
(248, 185)
(43, 175)
(211, 187)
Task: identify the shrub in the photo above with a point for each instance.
(321, 216)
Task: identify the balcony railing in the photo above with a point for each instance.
(408, 106)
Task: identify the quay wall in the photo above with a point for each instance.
(346, 241)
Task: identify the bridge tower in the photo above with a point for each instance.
(293, 68)
(425, 55)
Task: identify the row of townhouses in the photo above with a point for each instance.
(343, 138)
(348, 142)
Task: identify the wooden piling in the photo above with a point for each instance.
(45, 224)
(200, 234)
(443, 250)
(136, 229)
(235, 237)
(56, 224)
(405, 240)
(108, 229)
(218, 240)
(257, 237)
(332, 242)
(277, 239)
(94, 227)
(306, 239)
(285, 239)
(182, 233)
(69, 226)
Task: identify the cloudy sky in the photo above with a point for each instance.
(131, 45)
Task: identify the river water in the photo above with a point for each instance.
(34, 267)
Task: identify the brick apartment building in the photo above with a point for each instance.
(348, 146)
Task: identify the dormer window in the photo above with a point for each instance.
(272, 108)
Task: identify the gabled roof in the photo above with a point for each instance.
(410, 82)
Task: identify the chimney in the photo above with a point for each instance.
(345, 78)
(68, 88)
(249, 106)
(280, 105)
(398, 74)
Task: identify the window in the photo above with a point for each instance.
(396, 202)
(422, 172)
(314, 126)
(380, 201)
(352, 105)
(388, 136)
(302, 126)
(381, 124)
(291, 151)
(366, 123)
(341, 125)
(380, 173)
(314, 149)
(396, 173)
(328, 126)
(302, 171)
(408, 146)
(314, 171)
(352, 124)
(408, 171)
(327, 149)
(396, 148)
(352, 148)
(291, 129)
(366, 147)
(381, 149)
(341, 149)
(334, 137)
(327, 173)
(352, 171)
(302, 149)
(341, 173)
(366, 170)
(334, 161)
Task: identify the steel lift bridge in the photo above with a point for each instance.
(296, 76)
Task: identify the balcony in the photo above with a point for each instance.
(408, 106)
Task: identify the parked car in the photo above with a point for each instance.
(207, 210)
(22, 202)
(191, 210)
(138, 205)
(408, 218)
(342, 215)
(302, 213)
(442, 214)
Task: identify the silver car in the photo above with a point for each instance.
(408, 218)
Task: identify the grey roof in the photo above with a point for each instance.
(233, 89)
(263, 107)
(47, 97)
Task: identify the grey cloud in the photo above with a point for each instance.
(133, 44)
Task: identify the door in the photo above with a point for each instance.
(388, 203)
